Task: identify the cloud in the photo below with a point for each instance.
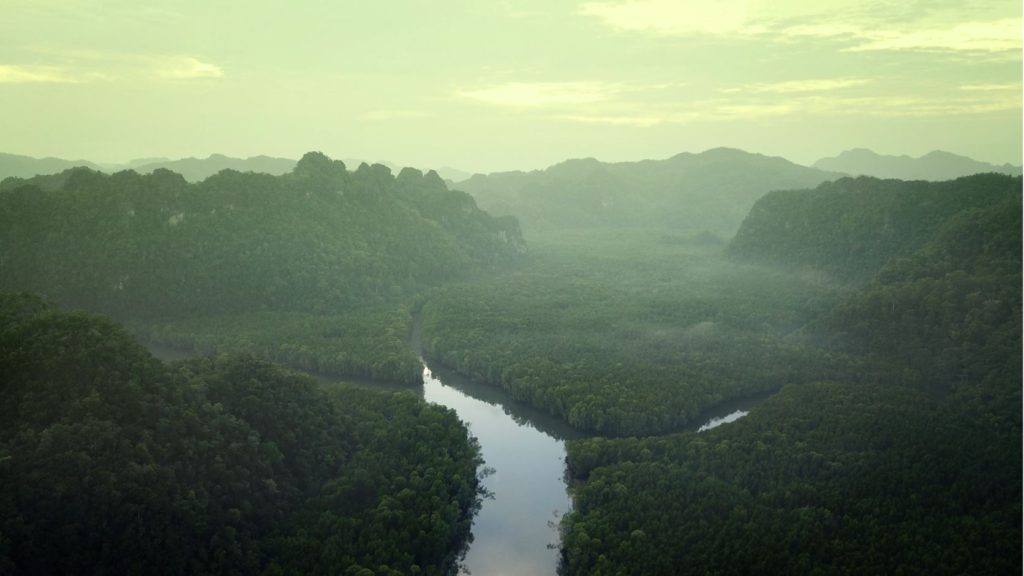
(82, 65)
(971, 27)
(754, 106)
(725, 111)
(918, 106)
(634, 121)
(1002, 35)
(385, 115)
(647, 105)
(541, 94)
(821, 30)
(13, 74)
(672, 16)
(186, 68)
(799, 86)
(888, 106)
(1014, 86)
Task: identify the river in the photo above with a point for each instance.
(515, 532)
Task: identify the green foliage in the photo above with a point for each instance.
(320, 239)
(919, 475)
(626, 334)
(893, 446)
(952, 309)
(369, 342)
(852, 227)
(112, 462)
(820, 479)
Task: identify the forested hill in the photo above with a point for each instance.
(112, 462)
(710, 191)
(951, 310)
(914, 471)
(319, 238)
(852, 227)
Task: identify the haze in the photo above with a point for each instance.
(488, 86)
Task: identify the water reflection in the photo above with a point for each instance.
(521, 413)
(514, 532)
(716, 422)
(728, 411)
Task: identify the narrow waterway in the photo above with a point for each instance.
(515, 532)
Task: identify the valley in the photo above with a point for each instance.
(860, 336)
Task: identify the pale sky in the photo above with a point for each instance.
(493, 85)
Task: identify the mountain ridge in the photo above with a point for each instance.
(711, 190)
(934, 166)
(192, 168)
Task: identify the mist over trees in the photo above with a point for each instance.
(915, 471)
(709, 191)
(850, 228)
(586, 288)
(880, 319)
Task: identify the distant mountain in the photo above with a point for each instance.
(193, 169)
(711, 191)
(452, 174)
(136, 162)
(935, 165)
(27, 167)
(198, 169)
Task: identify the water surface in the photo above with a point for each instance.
(515, 531)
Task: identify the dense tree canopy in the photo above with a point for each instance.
(369, 342)
(629, 334)
(112, 462)
(315, 268)
(884, 315)
(317, 240)
(916, 474)
(825, 478)
(853, 227)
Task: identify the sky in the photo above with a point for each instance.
(497, 85)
